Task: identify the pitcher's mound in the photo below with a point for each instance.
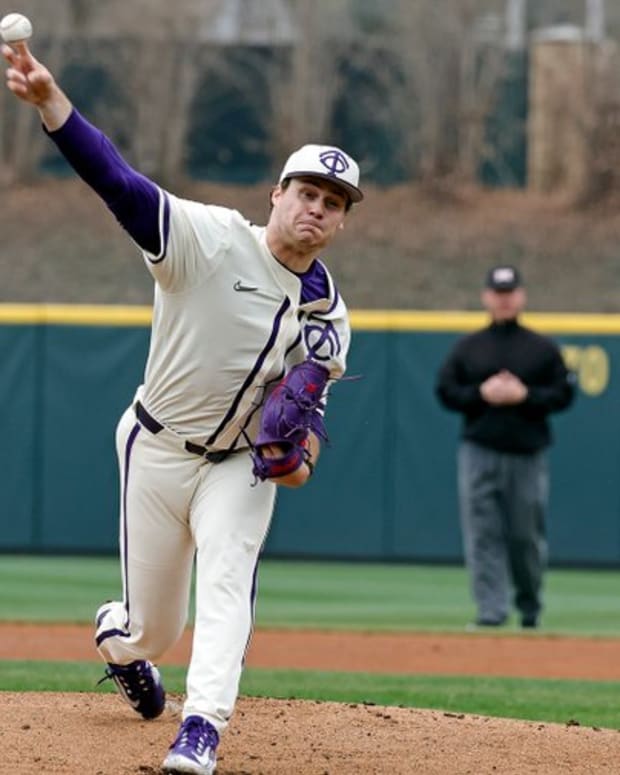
(89, 734)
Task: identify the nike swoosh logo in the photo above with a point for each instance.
(239, 286)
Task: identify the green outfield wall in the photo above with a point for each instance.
(385, 488)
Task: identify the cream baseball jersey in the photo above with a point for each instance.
(227, 318)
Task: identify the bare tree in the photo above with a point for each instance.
(159, 72)
(305, 77)
(147, 48)
(21, 139)
(427, 74)
(453, 61)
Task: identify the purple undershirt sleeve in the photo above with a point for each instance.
(133, 198)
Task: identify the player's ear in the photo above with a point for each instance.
(341, 226)
(274, 195)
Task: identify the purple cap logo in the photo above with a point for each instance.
(334, 161)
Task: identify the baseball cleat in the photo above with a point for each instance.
(193, 751)
(139, 684)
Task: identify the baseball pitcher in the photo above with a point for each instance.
(248, 331)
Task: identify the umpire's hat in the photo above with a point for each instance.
(503, 278)
(325, 161)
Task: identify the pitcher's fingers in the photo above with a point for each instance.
(19, 55)
(8, 53)
(18, 87)
(21, 46)
(13, 75)
(26, 60)
(39, 78)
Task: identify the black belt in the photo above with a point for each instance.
(154, 426)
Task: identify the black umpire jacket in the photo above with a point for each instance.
(535, 359)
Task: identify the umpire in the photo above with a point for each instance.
(505, 379)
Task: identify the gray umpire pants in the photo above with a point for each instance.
(503, 499)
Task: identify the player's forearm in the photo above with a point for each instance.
(300, 476)
(55, 110)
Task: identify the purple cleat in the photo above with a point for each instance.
(193, 751)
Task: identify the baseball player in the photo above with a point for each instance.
(248, 330)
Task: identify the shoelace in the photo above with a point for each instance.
(197, 735)
(139, 684)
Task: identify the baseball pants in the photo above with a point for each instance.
(177, 508)
(503, 498)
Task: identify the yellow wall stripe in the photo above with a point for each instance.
(461, 322)
(361, 320)
(75, 314)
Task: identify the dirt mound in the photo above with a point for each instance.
(97, 735)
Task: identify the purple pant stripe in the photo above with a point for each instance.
(252, 609)
(113, 633)
(128, 447)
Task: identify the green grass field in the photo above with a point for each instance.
(326, 595)
(336, 596)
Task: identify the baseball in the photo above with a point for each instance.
(15, 27)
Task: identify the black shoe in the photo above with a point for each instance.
(139, 684)
(483, 622)
(529, 621)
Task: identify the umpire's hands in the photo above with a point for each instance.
(503, 389)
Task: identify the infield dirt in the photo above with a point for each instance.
(96, 734)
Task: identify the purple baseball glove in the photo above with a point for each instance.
(292, 410)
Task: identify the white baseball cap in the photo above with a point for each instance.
(325, 161)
